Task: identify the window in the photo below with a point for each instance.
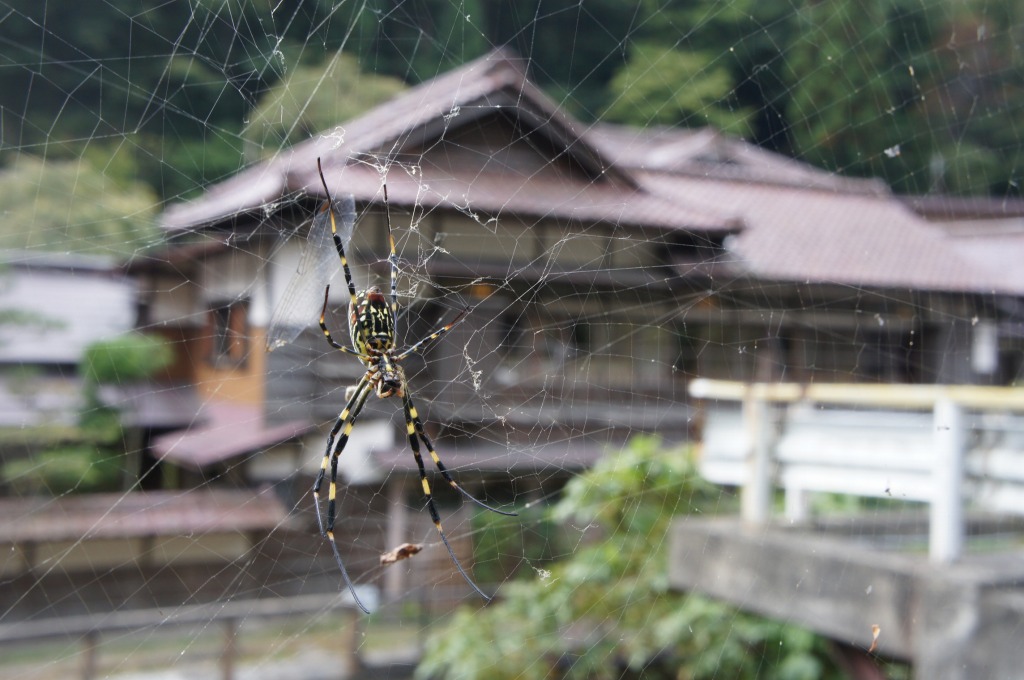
(228, 325)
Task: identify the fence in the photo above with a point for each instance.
(227, 615)
(943, 445)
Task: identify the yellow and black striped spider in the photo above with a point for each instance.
(372, 319)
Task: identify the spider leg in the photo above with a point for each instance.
(344, 425)
(345, 420)
(392, 257)
(435, 335)
(412, 415)
(338, 245)
(414, 444)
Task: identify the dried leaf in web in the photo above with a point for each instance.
(402, 552)
(300, 304)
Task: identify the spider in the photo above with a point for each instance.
(372, 324)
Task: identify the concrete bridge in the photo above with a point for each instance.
(936, 580)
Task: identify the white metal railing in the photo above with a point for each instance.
(945, 445)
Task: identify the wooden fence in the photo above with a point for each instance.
(224, 615)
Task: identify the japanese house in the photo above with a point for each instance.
(604, 267)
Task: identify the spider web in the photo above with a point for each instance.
(622, 199)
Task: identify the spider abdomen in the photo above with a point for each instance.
(371, 322)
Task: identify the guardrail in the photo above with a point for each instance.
(90, 627)
(944, 445)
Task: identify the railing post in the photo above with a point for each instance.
(349, 644)
(756, 496)
(230, 649)
(946, 527)
(90, 652)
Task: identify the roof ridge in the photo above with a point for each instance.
(413, 120)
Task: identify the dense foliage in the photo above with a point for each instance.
(606, 610)
(311, 100)
(125, 359)
(74, 205)
(924, 94)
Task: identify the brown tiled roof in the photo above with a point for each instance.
(150, 513)
(987, 230)
(796, 223)
(706, 152)
(997, 250)
(801, 224)
(941, 208)
(417, 119)
(822, 236)
(226, 430)
(490, 194)
(154, 405)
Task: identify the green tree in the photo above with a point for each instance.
(73, 206)
(418, 41)
(840, 111)
(573, 48)
(668, 86)
(172, 82)
(970, 87)
(607, 611)
(703, 62)
(125, 359)
(924, 96)
(311, 100)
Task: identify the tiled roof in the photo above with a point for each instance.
(151, 404)
(415, 121)
(792, 222)
(987, 230)
(150, 513)
(821, 236)
(226, 430)
(942, 208)
(999, 253)
(706, 152)
(802, 224)
(490, 194)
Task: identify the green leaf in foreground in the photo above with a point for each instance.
(607, 611)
